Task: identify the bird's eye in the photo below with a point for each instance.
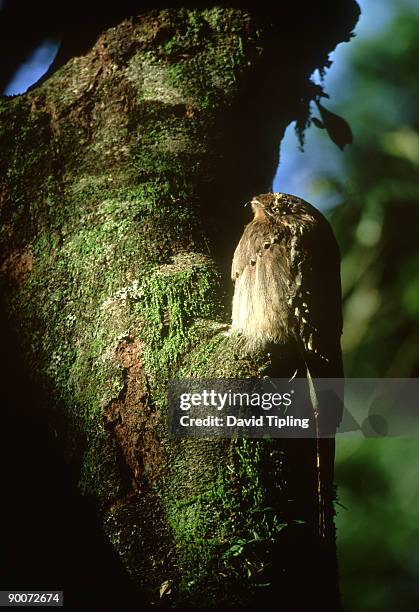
(275, 209)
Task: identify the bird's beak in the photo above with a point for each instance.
(247, 203)
(257, 208)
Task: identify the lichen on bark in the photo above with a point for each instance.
(123, 176)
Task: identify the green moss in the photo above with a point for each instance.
(223, 355)
(224, 527)
(168, 301)
(204, 55)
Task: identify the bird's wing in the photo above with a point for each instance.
(316, 308)
(316, 304)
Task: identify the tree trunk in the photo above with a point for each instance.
(124, 176)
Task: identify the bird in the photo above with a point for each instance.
(287, 289)
(287, 294)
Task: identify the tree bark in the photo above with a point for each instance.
(124, 176)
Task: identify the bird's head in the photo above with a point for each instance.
(280, 207)
(272, 205)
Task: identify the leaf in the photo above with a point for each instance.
(338, 129)
(317, 123)
(266, 509)
(165, 588)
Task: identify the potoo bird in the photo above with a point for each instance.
(286, 270)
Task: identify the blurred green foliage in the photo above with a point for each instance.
(377, 226)
(378, 527)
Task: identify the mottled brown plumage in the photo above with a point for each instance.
(286, 270)
(287, 282)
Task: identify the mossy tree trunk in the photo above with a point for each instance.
(124, 176)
